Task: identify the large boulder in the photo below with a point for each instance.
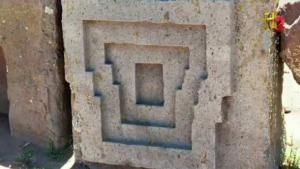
(291, 38)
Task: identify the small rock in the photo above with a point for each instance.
(287, 111)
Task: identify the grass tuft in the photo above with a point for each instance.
(57, 154)
(291, 159)
(27, 156)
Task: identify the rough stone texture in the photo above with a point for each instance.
(103, 50)
(32, 45)
(4, 103)
(291, 38)
(219, 107)
(250, 135)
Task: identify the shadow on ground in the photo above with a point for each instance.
(18, 154)
(15, 153)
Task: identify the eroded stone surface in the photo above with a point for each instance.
(190, 54)
(291, 38)
(211, 130)
(250, 135)
(29, 36)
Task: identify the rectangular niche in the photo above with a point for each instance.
(149, 84)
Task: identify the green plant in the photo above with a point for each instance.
(61, 153)
(291, 159)
(27, 156)
(86, 167)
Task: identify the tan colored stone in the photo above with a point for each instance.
(31, 42)
(230, 119)
(163, 118)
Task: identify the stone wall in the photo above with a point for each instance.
(173, 84)
(30, 35)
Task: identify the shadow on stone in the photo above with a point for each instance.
(4, 103)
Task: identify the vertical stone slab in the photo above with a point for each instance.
(32, 44)
(251, 133)
(181, 46)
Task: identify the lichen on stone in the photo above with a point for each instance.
(49, 10)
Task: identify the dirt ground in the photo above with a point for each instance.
(18, 154)
(15, 153)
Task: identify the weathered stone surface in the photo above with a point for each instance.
(250, 135)
(291, 38)
(217, 109)
(32, 45)
(114, 110)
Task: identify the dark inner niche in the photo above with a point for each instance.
(149, 84)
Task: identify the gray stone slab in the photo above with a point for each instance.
(250, 135)
(188, 53)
